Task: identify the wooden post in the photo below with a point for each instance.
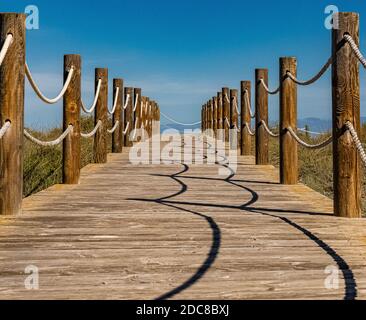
(101, 110)
(226, 109)
(215, 115)
(261, 107)
(117, 136)
(128, 116)
(137, 114)
(346, 107)
(71, 115)
(143, 117)
(288, 118)
(12, 109)
(220, 116)
(246, 139)
(234, 115)
(210, 115)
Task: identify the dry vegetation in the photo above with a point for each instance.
(316, 166)
(43, 166)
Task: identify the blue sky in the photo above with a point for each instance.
(181, 52)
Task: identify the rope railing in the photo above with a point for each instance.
(5, 128)
(49, 143)
(115, 102)
(116, 125)
(249, 107)
(180, 123)
(128, 97)
(355, 49)
(267, 89)
(136, 102)
(266, 128)
(39, 92)
(247, 127)
(301, 142)
(357, 141)
(313, 79)
(97, 93)
(126, 129)
(4, 50)
(93, 132)
(235, 102)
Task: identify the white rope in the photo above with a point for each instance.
(180, 123)
(127, 101)
(266, 88)
(246, 126)
(236, 128)
(116, 125)
(355, 49)
(92, 133)
(49, 143)
(128, 125)
(95, 99)
(307, 145)
(227, 98)
(227, 122)
(4, 128)
(115, 102)
(4, 50)
(135, 130)
(313, 79)
(357, 141)
(38, 91)
(273, 135)
(235, 102)
(136, 101)
(252, 114)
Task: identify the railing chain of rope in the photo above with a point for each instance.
(49, 143)
(93, 132)
(97, 93)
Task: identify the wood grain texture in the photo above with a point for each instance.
(215, 115)
(234, 118)
(71, 115)
(12, 109)
(220, 112)
(134, 232)
(128, 116)
(346, 107)
(288, 118)
(117, 136)
(246, 139)
(101, 113)
(226, 108)
(261, 113)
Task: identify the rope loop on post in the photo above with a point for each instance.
(266, 88)
(4, 128)
(116, 125)
(115, 102)
(4, 50)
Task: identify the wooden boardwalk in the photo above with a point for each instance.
(181, 232)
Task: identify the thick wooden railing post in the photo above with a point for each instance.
(137, 114)
(261, 107)
(215, 115)
(234, 117)
(12, 109)
(346, 107)
(117, 136)
(246, 139)
(128, 116)
(71, 116)
(288, 118)
(101, 114)
(220, 116)
(226, 109)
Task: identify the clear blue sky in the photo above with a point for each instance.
(181, 52)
